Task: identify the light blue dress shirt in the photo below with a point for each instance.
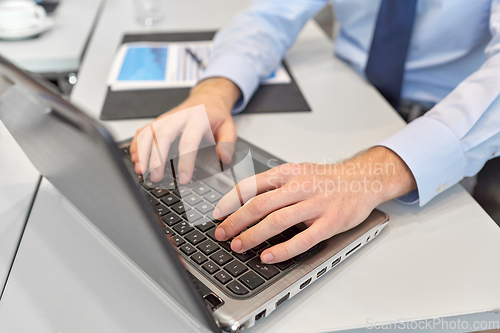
(453, 60)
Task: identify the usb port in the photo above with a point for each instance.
(305, 283)
(321, 272)
(282, 299)
(260, 315)
(336, 261)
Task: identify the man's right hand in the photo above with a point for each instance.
(149, 148)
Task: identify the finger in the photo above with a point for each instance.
(163, 131)
(133, 147)
(245, 190)
(275, 223)
(226, 136)
(300, 243)
(188, 149)
(143, 149)
(259, 207)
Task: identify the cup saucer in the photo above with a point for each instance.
(29, 32)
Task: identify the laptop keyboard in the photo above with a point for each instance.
(186, 212)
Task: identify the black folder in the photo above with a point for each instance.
(132, 104)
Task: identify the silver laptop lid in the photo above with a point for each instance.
(80, 158)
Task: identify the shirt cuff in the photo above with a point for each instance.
(434, 155)
(238, 70)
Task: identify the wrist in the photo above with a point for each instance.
(380, 166)
(223, 90)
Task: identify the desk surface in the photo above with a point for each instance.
(59, 50)
(439, 260)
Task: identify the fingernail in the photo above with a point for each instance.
(220, 234)
(183, 178)
(216, 213)
(236, 245)
(267, 257)
(154, 175)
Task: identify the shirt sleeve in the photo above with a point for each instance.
(251, 46)
(456, 138)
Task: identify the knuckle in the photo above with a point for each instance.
(280, 220)
(258, 205)
(249, 236)
(230, 224)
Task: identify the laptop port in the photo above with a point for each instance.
(353, 249)
(282, 300)
(212, 301)
(321, 272)
(305, 283)
(336, 261)
(260, 315)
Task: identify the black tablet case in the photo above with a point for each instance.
(132, 104)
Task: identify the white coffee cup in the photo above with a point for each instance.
(20, 14)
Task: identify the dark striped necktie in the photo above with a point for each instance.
(391, 39)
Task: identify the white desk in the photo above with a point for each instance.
(59, 50)
(442, 260)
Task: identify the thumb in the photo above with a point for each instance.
(226, 136)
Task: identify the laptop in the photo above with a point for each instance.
(166, 229)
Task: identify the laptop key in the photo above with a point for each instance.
(171, 219)
(161, 210)
(208, 247)
(179, 208)
(201, 188)
(235, 268)
(284, 264)
(193, 216)
(267, 271)
(260, 247)
(199, 258)
(178, 240)
(169, 231)
(223, 277)
(205, 226)
(182, 228)
(244, 256)
(195, 237)
(291, 232)
(187, 249)
(277, 239)
(251, 280)
(237, 288)
(169, 199)
(221, 257)
(212, 197)
(210, 267)
(192, 199)
(148, 184)
(226, 245)
(211, 234)
(204, 207)
(182, 191)
(159, 192)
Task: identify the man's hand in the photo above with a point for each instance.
(149, 147)
(330, 199)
